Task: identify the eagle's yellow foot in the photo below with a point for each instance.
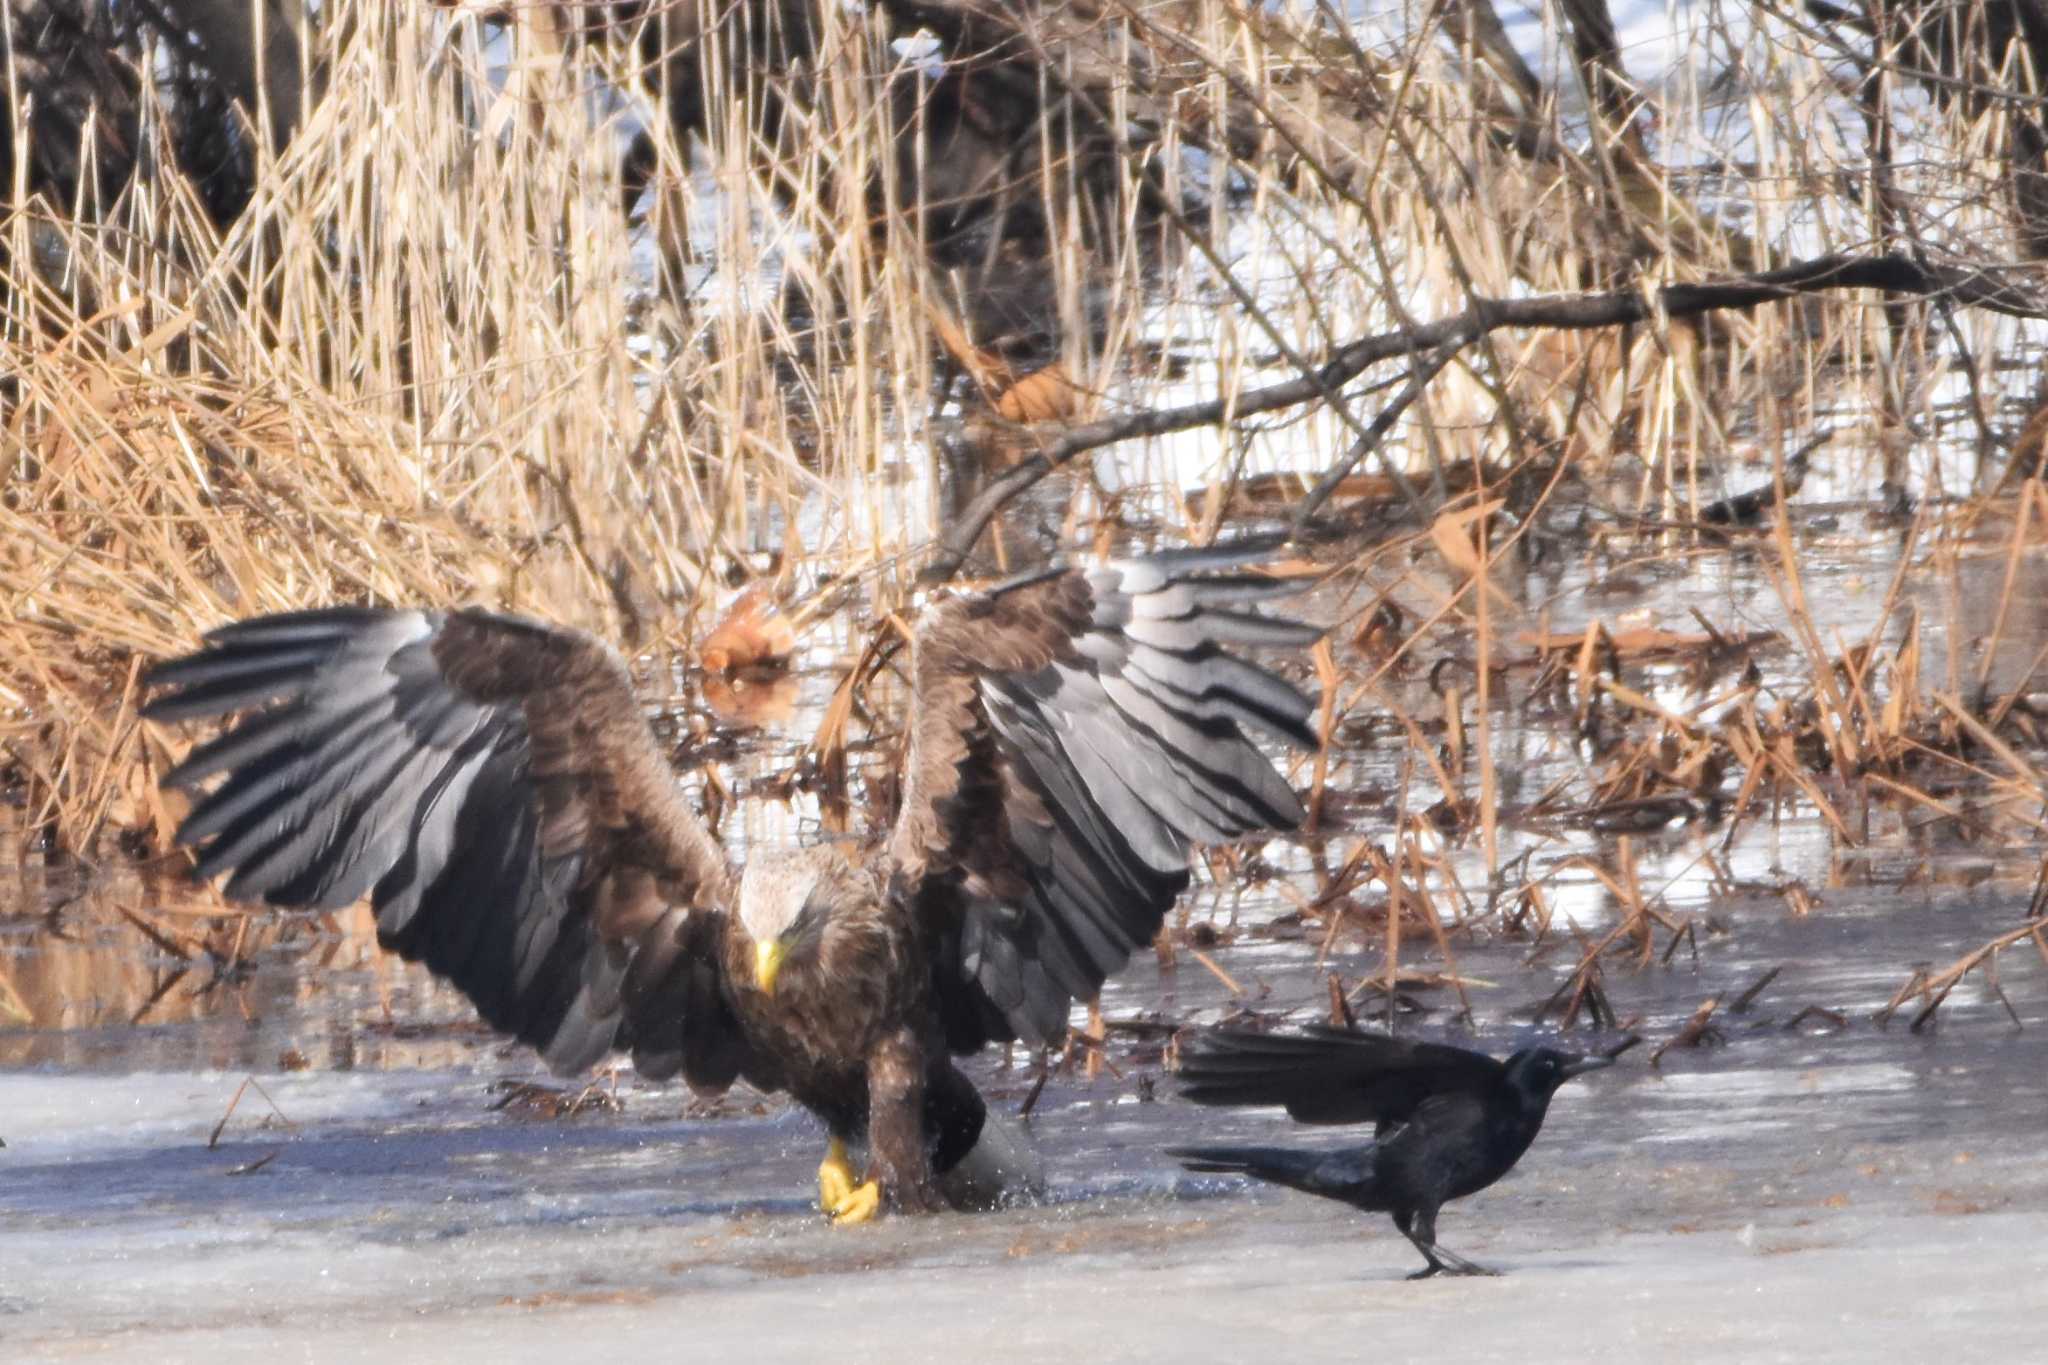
(860, 1205)
(835, 1177)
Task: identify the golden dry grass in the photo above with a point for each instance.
(428, 363)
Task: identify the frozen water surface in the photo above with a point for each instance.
(1812, 1187)
(1815, 1193)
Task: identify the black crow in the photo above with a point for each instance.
(1449, 1122)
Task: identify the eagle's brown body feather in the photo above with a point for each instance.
(848, 1021)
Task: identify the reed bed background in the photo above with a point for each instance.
(430, 359)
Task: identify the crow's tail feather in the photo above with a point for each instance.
(1311, 1172)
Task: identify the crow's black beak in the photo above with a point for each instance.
(1581, 1065)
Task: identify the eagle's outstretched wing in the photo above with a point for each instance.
(1071, 735)
(492, 785)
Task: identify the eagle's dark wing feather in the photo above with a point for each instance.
(1331, 1075)
(491, 784)
(1071, 735)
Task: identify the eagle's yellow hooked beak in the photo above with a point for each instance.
(767, 965)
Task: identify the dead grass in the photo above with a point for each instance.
(432, 362)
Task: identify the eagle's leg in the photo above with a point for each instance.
(899, 1164)
(836, 1180)
(861, 1205)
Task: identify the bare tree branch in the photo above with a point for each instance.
(1892, 274)
(1426, 368)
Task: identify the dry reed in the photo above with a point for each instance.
(431, 361)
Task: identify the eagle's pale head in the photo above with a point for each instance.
(785, 899)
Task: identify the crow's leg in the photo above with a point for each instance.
(1419, 1227)
(1405, 1220)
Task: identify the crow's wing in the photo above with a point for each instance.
(1331, 1075)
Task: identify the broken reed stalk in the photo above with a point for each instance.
(1483, 646)
(1582, 989)
(1696, 1030)
(1754, 989)
(1934, 988)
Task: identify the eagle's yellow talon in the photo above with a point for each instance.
(860, 1205)
(835, 1177)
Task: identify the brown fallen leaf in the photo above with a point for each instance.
(525, 1099)
(1955, 1204)
(1453, 536)
(1044, 395)
(988, 370)
(754, 631)
(1256, 492)
(1381, 631)
(1451, 533)
(757, 702)
(1047, 394)
(12, 1009)
(550, 1298)
(1640, 640)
